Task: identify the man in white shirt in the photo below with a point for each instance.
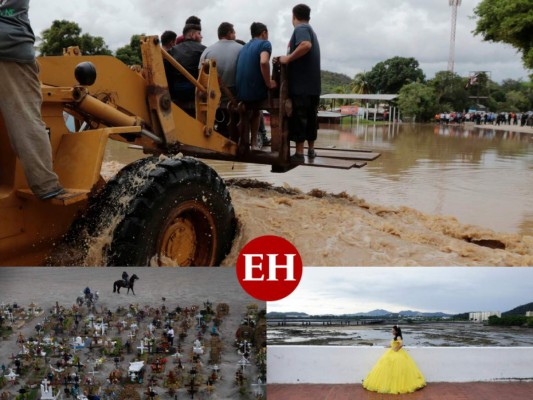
(170, 336)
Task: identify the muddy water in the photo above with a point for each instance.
(434, 193)
(415, 335)
(480, 177)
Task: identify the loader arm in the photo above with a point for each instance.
(144, 101)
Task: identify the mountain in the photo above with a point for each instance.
(375, 313)
(333, 80)
(410, 313)
(520, 310)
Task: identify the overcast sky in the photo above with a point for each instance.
(354, 35)
(342, 290)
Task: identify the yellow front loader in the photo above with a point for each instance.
(168, 208)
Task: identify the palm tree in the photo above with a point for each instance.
(360, 84)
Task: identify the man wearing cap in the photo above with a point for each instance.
(194, 20)
(188, 54)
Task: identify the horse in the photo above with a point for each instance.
(120, 284)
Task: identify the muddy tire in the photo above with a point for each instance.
(172, 212)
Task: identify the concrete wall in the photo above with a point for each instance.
(342, 364)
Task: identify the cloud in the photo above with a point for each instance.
(453, 290)
(354, 35)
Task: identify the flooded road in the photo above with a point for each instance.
(415, 335)
(437, 196)
(480, 177)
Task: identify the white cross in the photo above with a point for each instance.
(45, 382)
(141, 347)
(258, 388)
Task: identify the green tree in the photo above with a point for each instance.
(516, 101)
(63, 34)
(508, 22)
(418, 101)
(130, 54)
(511, 320)
(450, 91)
(391, 75)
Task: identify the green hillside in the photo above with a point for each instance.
(333, 80)
(520, 310)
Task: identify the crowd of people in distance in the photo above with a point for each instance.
(484, 118)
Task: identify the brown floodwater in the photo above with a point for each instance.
(480, 177)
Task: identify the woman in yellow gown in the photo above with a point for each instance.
(395, 372)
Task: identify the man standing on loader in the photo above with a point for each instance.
(304, 83)
(20, 99)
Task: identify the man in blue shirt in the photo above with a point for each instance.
(253, 75)
(303, 61)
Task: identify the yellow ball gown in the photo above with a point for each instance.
(394, 373)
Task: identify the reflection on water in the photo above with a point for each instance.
(414, 335)
(482, 177)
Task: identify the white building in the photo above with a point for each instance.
(482, 316)
(529, 313)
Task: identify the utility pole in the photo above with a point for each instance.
(451, 59)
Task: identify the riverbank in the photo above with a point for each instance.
(342, 230)
(506, 128)
(448, 334)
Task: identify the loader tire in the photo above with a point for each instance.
(175, 212)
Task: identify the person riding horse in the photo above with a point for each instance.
(125, 278)
(125, 284)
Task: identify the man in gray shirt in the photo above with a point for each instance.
(21, 99)
(225, 52)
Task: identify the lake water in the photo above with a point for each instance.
(481, 177)
(414, 335)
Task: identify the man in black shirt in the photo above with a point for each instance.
(303, 61)
(188, 54)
